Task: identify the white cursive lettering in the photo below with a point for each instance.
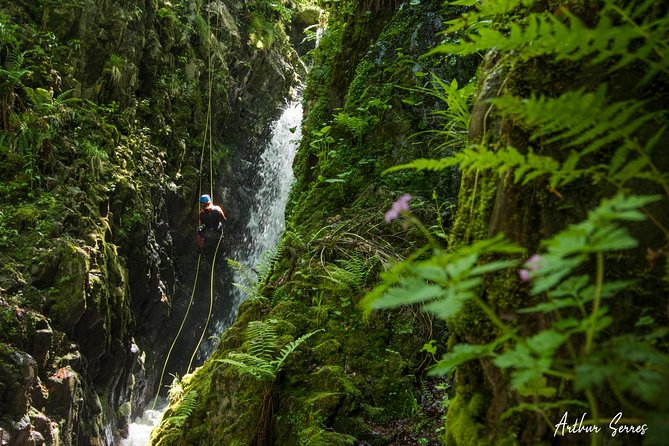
(577, 428)
(625, 428)
(563, 423)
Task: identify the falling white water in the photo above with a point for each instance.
(267, 219)
(276, 172)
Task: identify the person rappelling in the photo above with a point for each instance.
(211, 223)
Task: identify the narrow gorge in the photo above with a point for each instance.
(446, 222)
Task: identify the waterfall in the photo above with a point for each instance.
(263, 230)
(267, 222)
(267, 218)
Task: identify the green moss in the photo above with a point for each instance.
(67, 299)
(315, 436)
(328, 351)
(463, 427)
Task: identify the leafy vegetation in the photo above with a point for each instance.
(579, 358)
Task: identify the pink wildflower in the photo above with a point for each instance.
(401, 205)
(532, 264)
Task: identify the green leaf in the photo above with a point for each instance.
(538, 387)
(551, 305)
(451, 305)
(459, 354)
(462, 265)
(493, 266)
(547, 278)
(430, 347)
(546, 342)
(412, 291)
(514, 357)
(522, 378)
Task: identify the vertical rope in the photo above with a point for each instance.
(211, 303)
(183, 321)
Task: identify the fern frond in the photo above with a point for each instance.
(184, 410)
(577, 118)
(290, 348)
(262, 338)
(456, 115)
(251, 280)
(12, 71)
(267, 261)
(434, 165)
(259, 368)
(263, 367)
(349, 274)
(496, 7)
(546, 34)
(485, 9)
(243, 288)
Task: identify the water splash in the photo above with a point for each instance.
(140, 430)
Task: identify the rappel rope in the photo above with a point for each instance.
(183, 321)
(207, 133)
(211, 303)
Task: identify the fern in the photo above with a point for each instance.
(45, 103)
(11, 72)
(485, 9)
(245, 281)
(580, 134)
(443, 283)
(251, 280)
(446, 281)
(262, 341)
(352, 274)
(577, 118)
(260, 369)
(480, 157)
(488, 8)
(546, 34)
(581, 122)
(290, 348)
(262, 338)
(184, 410)
(455, 116)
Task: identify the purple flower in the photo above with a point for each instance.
(532, 264)
(401, 205)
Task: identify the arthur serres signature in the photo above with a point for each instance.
(581, 426)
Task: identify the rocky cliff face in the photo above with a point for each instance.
(107, 108)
